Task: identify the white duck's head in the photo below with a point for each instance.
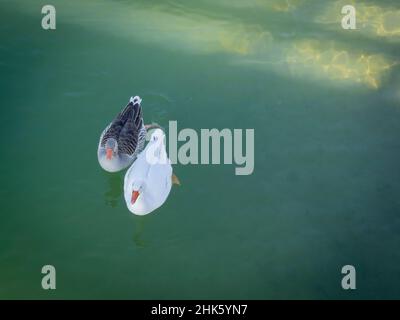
(111, 148)
(157, 135)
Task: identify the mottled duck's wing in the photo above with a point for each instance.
(130, 136)
(115, 128)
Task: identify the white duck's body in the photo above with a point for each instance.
(148, 181)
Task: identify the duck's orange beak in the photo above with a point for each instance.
(109, 153)
(135, 195)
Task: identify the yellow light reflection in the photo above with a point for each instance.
(319, 60)
(269, 5)
(190, 31)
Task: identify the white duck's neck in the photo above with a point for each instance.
(157, 152)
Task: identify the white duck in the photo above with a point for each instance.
(148, 181)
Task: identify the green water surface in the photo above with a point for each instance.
(325, 106)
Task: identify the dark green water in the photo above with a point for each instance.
(325, 106)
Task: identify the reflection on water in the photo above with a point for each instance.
(114, 194)
(114, 189)
(138, 232)
(183, 26)
(244, 41)
(313, 60)
(274, 5)
(285, 5)
(323, 60)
